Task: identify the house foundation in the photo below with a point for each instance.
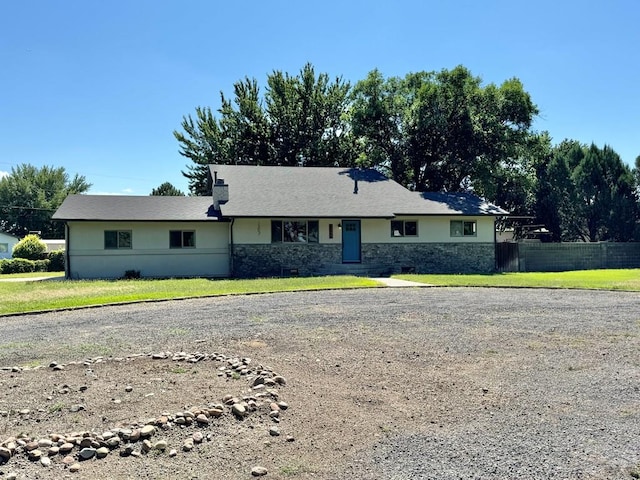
(274, 260)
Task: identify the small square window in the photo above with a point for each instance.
(402, 228)
(463, 228)
(182, 239)
(117, 239)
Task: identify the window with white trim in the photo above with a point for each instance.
(463, 228)
(117, 239)
(404, 228)
(182, 239)
(294, 231)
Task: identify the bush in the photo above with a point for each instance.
(18, 265)
(56, 260)
(41, 265)
(31, 248)
(131, 275)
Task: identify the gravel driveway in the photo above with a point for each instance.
(433, 383)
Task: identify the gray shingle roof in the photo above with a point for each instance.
(286, 192)
(135, 208)
(456, 203)
(261, 191)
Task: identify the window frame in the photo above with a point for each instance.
(463, 224)
(403, 231)
(118, 236)
(311, 231)
(183, 238)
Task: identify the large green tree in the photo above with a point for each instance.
(441, 130)
(379, 113)
(29, 196)
(299, 120)
(587, 193)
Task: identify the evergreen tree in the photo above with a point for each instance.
(168, 190)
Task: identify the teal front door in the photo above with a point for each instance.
(351, 241)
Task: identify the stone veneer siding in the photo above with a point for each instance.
(433, 257)
(259, 260)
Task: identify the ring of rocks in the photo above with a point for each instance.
(140, 438)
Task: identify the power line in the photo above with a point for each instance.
(19, 207)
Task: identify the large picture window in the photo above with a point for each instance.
(404, 228)
(294, 231)
(463, 228)
(182, 239)
(117, 239)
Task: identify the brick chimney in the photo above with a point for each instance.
(220, 192)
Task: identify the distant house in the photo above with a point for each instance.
(54, 244)
(7, 242)
(272, 221)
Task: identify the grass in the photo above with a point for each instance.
(90, 349)
(16, 345)
(179, 370)
(56, 407)
(293, 470)
(22, 297)
(627, 280)
(29, 296)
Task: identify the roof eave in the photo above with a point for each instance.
(310, 216)
(212, 219)
(452, 214)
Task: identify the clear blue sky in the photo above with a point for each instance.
(98, 87)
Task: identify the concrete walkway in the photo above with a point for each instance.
(396, 282)
(386, 281)
(30, 279)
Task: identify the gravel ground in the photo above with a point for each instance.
(411, 383)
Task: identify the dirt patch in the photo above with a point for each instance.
(437, 383)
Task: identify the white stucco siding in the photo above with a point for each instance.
(258, 230)
(438, 229)
(252, 230)
(149, 253)
(324, 230)
(7, 242)
(430, 230)
(434, 229)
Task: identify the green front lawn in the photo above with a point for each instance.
(55, 293)
(584, 279)
(28, 296)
